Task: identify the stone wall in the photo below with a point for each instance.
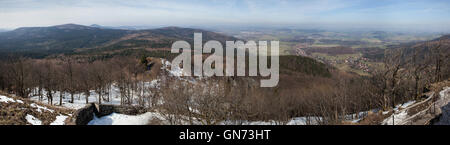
(86, 114)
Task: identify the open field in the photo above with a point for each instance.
(340, 49)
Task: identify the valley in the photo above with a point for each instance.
(325, 77)
(360, 52)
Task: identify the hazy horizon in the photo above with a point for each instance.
(388, 15)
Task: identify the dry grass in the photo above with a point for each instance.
(374, 118)
(14, 113)
(437, 87)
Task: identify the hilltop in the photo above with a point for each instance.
(79, 39)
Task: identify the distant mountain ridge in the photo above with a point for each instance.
(70, 38)
(125, 27)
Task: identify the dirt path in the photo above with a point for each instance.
(439, 109)
(425, 112)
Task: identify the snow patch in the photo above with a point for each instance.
(407, 104)
(5, 99)
(33, 120)
(293, 121)
(443, 93)
(40, 108)
(19, 101)
(122, 119)
(174, 71)
(178, 72)
(304, 121)
(59, 120)
(398, 118)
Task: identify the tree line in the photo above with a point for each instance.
(25, 77)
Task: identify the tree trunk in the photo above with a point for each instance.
(99, 97)
(71, 97)
(60, 98)
(87, 97)
(50, 97)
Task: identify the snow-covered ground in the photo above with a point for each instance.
(33, 120)
(5, 99)
(144, 119)
(293, 121)
(114, 92)
(122, 119)
(59, 120)
(400, 114)
(39, 108)
(80, 98)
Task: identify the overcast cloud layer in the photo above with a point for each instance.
(412, 14)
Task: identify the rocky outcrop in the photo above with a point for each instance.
(82, 116)
(444, 117)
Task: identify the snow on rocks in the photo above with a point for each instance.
(59, 120)
(33, 120)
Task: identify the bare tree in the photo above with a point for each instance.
(49, 80)
(393, 63)
(68, 68)
(437, 51)
(19, 72)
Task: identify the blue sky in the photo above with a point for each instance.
(401, 14)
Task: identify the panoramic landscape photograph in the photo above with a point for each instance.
(224, 62)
